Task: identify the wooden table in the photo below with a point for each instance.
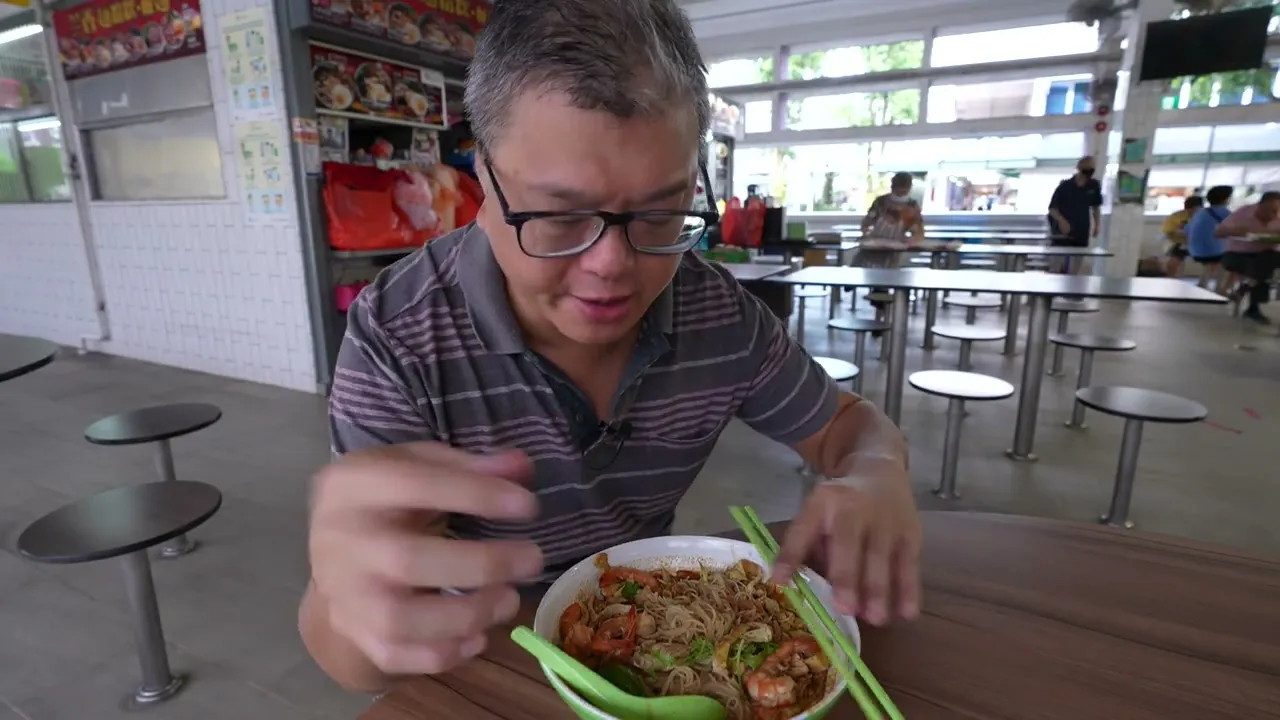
(1024, 619)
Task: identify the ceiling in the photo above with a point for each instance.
(728, 28)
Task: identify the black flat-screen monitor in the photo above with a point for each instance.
(1204, 44)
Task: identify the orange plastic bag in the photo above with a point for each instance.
(360, 203)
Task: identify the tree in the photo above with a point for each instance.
(828, 199)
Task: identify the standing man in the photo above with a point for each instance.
(1075, 210)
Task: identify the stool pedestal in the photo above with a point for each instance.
(951, 451)
(1126, 471)
(1086, 376)
(182, 544)
(158, 681)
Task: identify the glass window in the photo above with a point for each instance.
(823, 112)
(1243, 87)
(740, 71)
(759, 116)
(30, 138)
(1021, 43)
(41, 141)
(13, 186)
(1035, 97)
(174, 158)
(858, 60)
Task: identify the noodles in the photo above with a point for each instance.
(727, 634)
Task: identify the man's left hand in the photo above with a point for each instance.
(863, 534)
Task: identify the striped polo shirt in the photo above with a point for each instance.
(433, 352)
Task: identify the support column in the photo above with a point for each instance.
(1128, 152)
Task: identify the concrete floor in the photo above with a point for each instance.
(229, 609)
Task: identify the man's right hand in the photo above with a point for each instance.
(380, 567)
(1064, 228)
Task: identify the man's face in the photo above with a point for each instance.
(901, 189)
(1086, 168)
(552, 156)
(1268, 211)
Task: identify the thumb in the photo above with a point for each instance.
(511, 465)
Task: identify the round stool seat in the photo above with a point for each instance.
(859, 324)
(119, 521)
(881, 297)
(977, 263)
(1072, 306)
(972, 302)
(973, 333)
(808, 292)
(839, 370)
(924, 260)
(1139, 404)
(21, 355)
(1085, 341)
(152, 424)
(962, 385)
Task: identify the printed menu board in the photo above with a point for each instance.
(446, 27)
(351, 85)
(104, 35)
(726, 117)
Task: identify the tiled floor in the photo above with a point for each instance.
(229, 609)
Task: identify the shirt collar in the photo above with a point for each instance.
(484, 288)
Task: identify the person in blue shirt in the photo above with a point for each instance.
(1205, 248)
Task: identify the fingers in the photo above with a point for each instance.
(427, 659)
(845, 560)
(802, 535)
(876, 564)
(907, 580)
(413, 560)
(407, 479)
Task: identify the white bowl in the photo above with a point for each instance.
(681, 552)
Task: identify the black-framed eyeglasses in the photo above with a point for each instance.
(565, 233)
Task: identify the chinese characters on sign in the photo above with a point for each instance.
(446, 27)
(104, 35)
(350, 85)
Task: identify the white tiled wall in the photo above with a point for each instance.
(44, 274)
(187, 284)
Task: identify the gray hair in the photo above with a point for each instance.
(630, 58)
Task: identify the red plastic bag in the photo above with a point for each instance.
(360, 203)
(416, 201)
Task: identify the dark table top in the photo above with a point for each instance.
(119, 521)
(1142, 404)
(968, 234)
(1094, 286)
(938, 248)
(20, 355)
(749, 272)
(151, 424)
(1023, 618)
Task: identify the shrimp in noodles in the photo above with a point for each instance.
(727, 634)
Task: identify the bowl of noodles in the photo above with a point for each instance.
(689, 615)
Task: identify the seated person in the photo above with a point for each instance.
(1175, 232)
(1202, 244)
(1254, 262)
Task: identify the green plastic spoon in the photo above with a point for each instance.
(606, 696)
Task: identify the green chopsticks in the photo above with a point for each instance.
(824, 628)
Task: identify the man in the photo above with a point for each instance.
(1174, 230)
(546, 383)
(1254, 262)
(1075, 210)
(893, 217)
(1202, 243)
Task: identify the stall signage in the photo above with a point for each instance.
(727, 117)
(351, 85)
(106, 35)
(445, 27)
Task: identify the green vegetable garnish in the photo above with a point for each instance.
(623, 678)
(663, 658)
(756, 654)
(700, 651)
(629, 590)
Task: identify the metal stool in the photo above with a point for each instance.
(968, 335)
(1088, 345)
(1136, 406)
(158, 424)
(840, 371)
(123, 523)
(802, 294)
(859, 326)
(972, 305)
(1065, 309)
(957, 387)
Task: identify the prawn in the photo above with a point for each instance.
(617, 576)
(773, 684)
(616, 636)
(575, 636)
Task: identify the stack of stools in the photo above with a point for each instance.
(124, 523)
(840, 371)
(1136, 406)
(972, 305)
(860, 327)
(1088, 345)
(1065, 309)
(968, 335)
(802, 295)
(957, 387)
(158, 424)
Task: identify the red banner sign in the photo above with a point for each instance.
(445, 27)
(106, 35)
(353, 85)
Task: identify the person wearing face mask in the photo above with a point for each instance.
(894, 217)
(1076, 208)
